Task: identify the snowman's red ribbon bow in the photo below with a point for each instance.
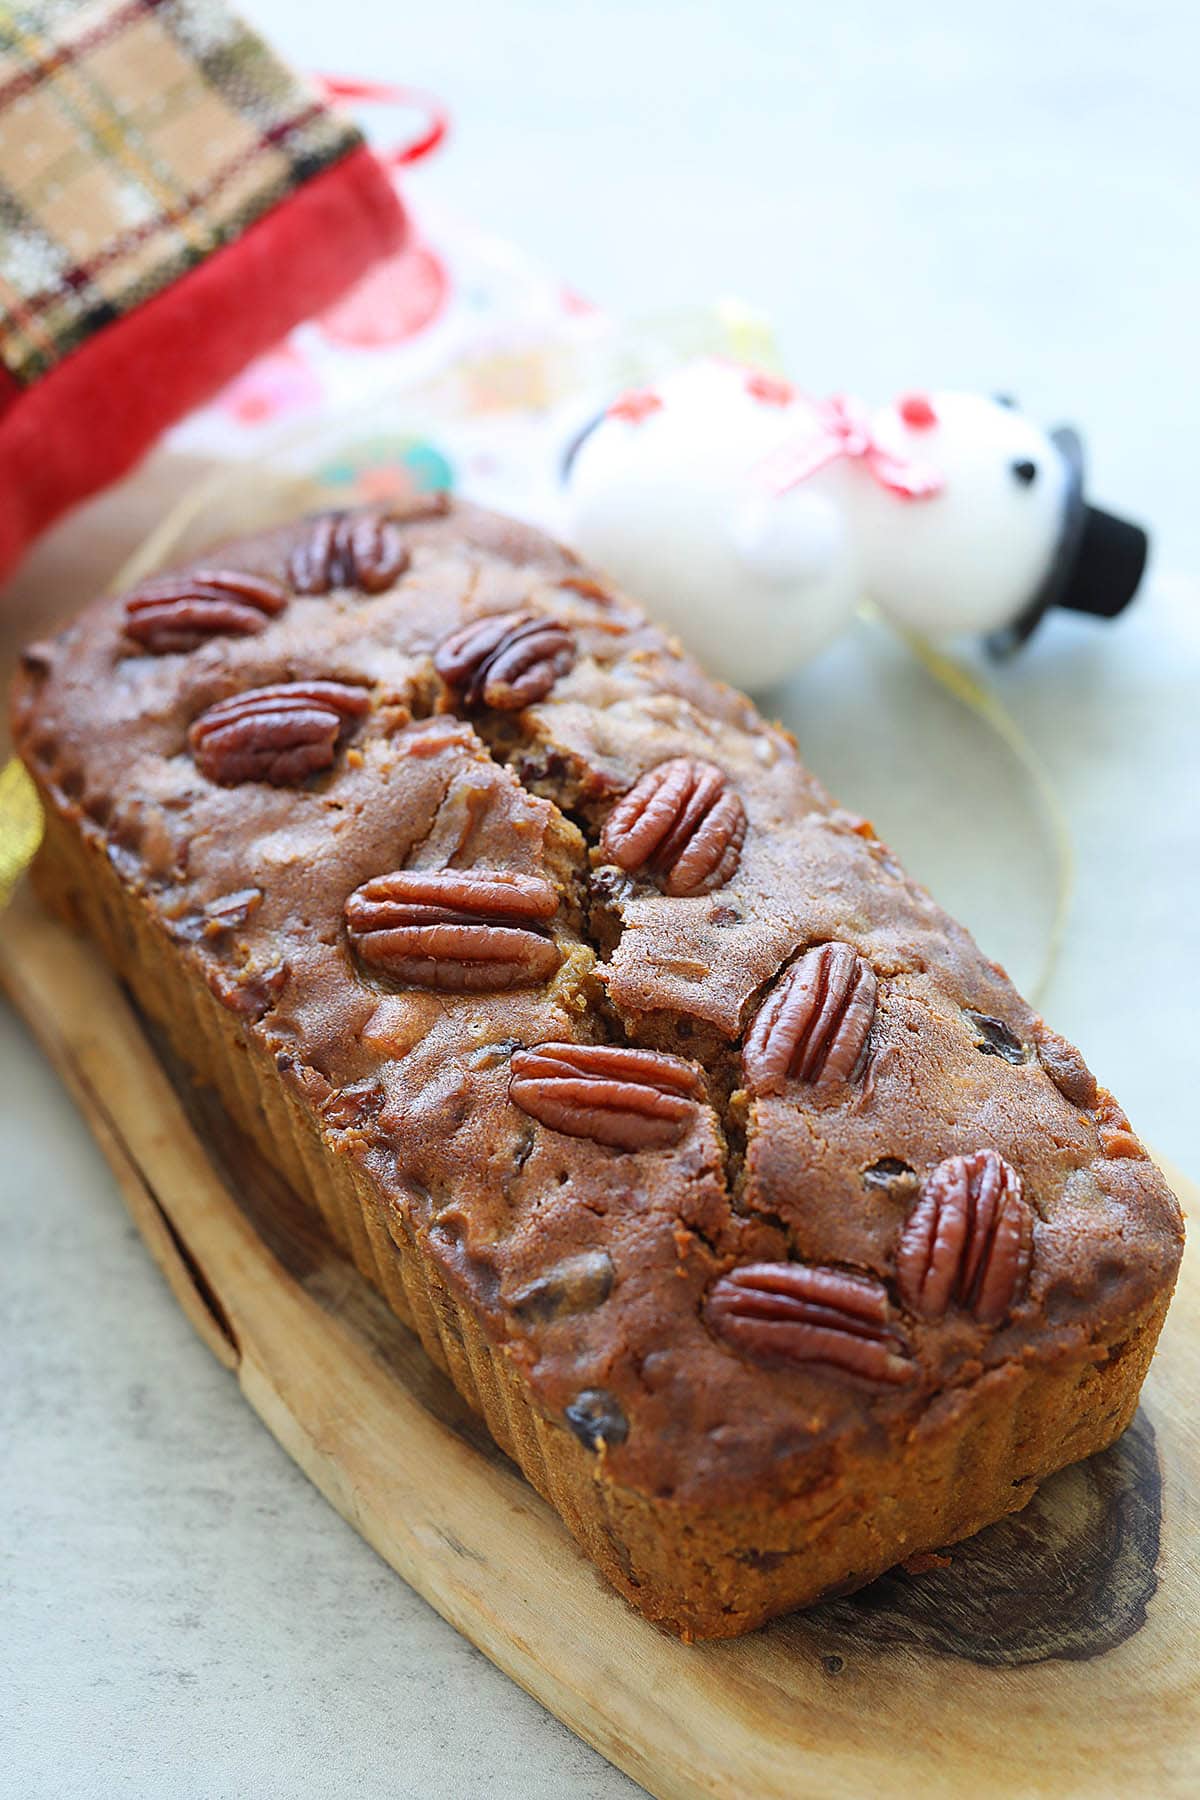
(844, 430)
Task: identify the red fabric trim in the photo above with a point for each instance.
(99, 410)
(387, 93)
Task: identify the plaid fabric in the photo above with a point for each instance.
(136, 137)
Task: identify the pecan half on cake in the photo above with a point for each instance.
(768, 1228)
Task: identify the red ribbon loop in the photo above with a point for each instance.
(386, 93)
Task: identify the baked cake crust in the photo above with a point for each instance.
(769, 1229)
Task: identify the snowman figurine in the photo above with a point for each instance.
(752, 519)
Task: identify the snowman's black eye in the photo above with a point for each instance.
(1025, 471)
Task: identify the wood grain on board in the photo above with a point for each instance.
(1052, 1655)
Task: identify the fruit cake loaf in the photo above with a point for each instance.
(770, 1231)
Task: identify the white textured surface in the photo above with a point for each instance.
(994, 197)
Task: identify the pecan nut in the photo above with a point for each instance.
(507, 661)
(462, 931)
(364, 550)
(628, 1099)
(814, 1026)
(180, 612)
(968, 1241)
(791, 1312)
(249, 993)
(228, 912)
(280, 734)
(352, 1108)
(419, 505)
(681, 823)
(587, 587)
(231, 912)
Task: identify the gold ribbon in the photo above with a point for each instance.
(20, 826)
(965, 687)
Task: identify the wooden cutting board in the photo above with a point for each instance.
(1053, 1655)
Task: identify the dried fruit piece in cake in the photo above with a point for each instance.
(681, 823)
(892, 1176)
(969, 1240)
(575, 1285)
(458, 930)
(507, 661)
(280, 734)
(994, 1038)
(1117, 1136)
(181, 612)
(596, 1418)
(797, 1313)
(627, 1098)
(814, 1024)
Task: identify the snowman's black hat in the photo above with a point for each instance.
(1098, 563)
